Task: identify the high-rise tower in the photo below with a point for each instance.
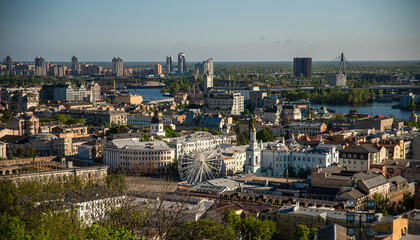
(169, 64)
(182, 60)
(74, 66)
(40, 68)
(302, 66)
(8, 62)
(117, 67)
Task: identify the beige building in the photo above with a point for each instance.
(129, 99)
(3, 147)
(24, 125)
(224, 103)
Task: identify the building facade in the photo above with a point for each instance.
(133, 155)
(117, 67)
(182, 63)
(169, 64)
(224, 103)
(40, 67)
(302, 66)
(74, 66)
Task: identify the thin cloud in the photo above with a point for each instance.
(288, 41)
(277, 42)
(252, 43)
(263, 39)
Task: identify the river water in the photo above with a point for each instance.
(372, 109)
(148, 93)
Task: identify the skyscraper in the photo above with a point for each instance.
(182, 66)
(158, 69)
(74, 66)
(302, 66)
(117, 67)
(8, 62)
(40, 68)
(169, 64)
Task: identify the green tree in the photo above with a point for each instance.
(302, 232)
(352, 111)
(254, 228)
(263, 135)
(108, 100)
(146, 138)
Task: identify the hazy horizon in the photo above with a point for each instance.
(227, 31)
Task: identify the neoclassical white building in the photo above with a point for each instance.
(200, 144)
(131, 154)
(273, 159)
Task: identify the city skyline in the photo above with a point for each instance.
(226, 31)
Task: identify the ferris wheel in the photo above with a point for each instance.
(200, 159)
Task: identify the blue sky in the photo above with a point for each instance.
(237, 30)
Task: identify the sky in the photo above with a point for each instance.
(225, 30)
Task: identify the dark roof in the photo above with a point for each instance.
(14, 139)
(324, 191)
(364, 148)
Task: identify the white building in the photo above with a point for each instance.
(224, 102)
(117, 67)
(200, 144)
(234, 158)
(156, 126)
(147, 157)
(274, 158)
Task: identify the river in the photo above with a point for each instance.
(372, 109)
(148, 93)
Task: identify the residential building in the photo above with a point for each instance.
(272, 114)
(98, 117)
(74, 66)
(24, 125)
(291, 113)
(205, 67)
(57, 70)
(21, 99)
(256, 99)
(136, 156)
(9, 63)
(40, 67)
(90, 69)
(117, 67)
(360, 157)
(169, 64)
(224, 103)
(307, 128)
(207, 82)
(182, 63)
(302, 66)
(158, 69)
